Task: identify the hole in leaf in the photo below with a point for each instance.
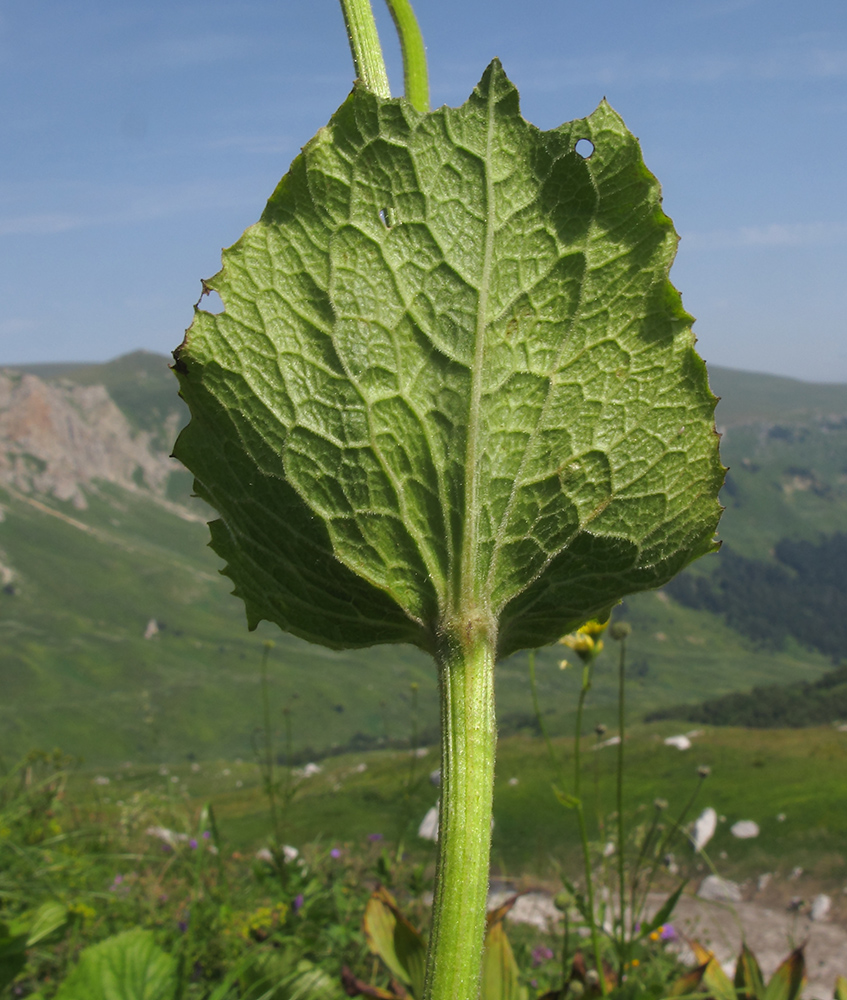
(585, 147)
(386, 217)
(210, 301)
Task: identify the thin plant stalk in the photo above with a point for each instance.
(365, 46)
(415, 73)
(554, 760)
(665, 842)
(268, 776)
(411, 776)
(583, 830)
(621, 836)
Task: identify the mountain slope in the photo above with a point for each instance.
(100, 538)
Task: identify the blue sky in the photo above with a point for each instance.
(139, 137)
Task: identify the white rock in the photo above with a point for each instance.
(152, 629)
(719, 890)
(745, 829)
(428, 830)
(821, 906)
(704, 828)
(169, 837)
(680, 742)
(612, 741)
(763, 881)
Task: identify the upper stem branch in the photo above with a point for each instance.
(415, 75)
(365, 47)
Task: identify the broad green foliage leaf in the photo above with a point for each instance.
(15, 939)
(716, 981)
(49, 917)
(127, 966)
(789, 979)
(748, 976)
(500, 973)
(395, 941)
(451, 379)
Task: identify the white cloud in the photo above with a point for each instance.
(40, 224)
(806, 57)
(16, 326)
(124, 206)
(800, 234)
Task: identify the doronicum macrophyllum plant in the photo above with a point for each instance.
(452, 400)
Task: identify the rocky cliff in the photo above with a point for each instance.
(58, 437)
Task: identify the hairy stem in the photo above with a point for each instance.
(583, 830)
(415, 74)
(551, 753)
(621, 834)
(468, 738)
(365, 47)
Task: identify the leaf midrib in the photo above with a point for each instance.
(469, 601)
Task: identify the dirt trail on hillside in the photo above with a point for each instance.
(770, 933)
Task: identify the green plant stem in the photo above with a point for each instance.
(580, 815)
(621, 840)
(533, 687)
(665, 843)
(468, 738)
(415, 74)
(270, 784)
(365, 46)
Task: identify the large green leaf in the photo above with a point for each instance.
(500, 973)
(397, 942)
(451, 379)
(127, 966)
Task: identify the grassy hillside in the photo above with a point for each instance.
(758, 775)
(79, 673)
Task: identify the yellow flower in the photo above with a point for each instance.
(594, 627)
(579, 642)
(584, 642)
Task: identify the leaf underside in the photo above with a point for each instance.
(451, 379)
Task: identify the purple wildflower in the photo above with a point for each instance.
(183, 926)
(298, 902)
(207, 835)
(668, 933)
(540, 955)
(374, 837)
(192, 844)
(335, 852)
